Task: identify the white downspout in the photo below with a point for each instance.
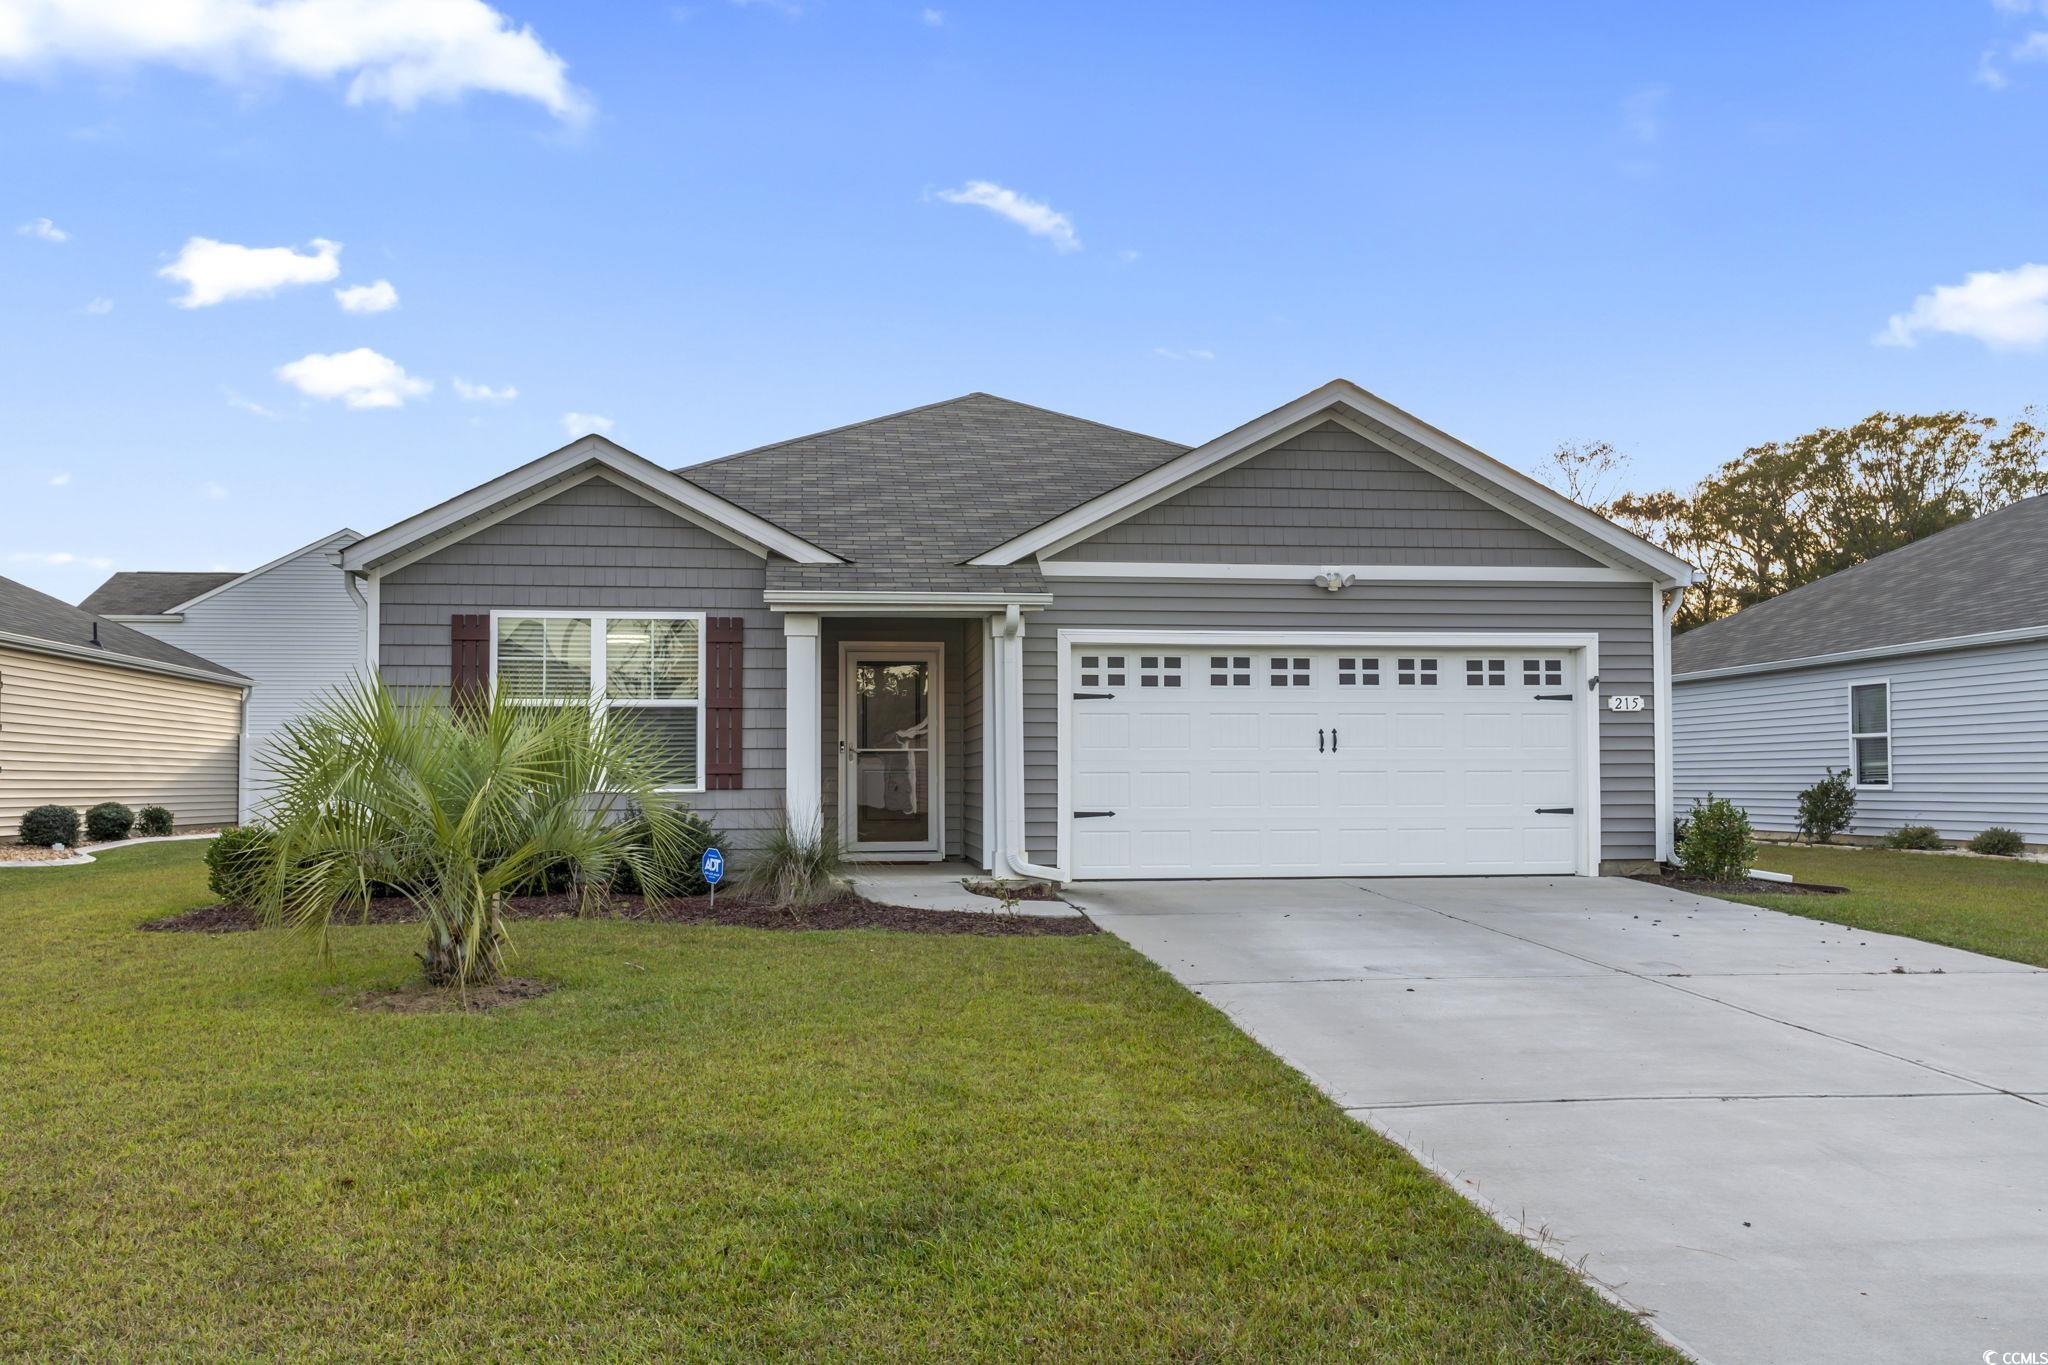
(1010, 643)
(1666, 610)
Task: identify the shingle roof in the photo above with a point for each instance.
(150, 592)
(907, 498)
(39, 616)
(1990, 574)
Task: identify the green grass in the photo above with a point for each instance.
(1986, 905)
(709, 1143)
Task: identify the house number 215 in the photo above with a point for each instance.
(1624, 703)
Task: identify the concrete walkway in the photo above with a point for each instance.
(1784, 1139)
(942, 886)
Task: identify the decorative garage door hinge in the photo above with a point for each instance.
(1556, 810)
(1093, 814)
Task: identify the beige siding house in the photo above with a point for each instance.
(91, 711)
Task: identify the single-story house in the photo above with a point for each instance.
(93, 711)
(295, 626)
(1331, 641)
(1924, 672)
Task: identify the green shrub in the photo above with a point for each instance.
(1719, 845)
(1914, 837)
(235, 863)
(108, 821)
(793, 870)
(1680, 827)
(681, 873)
(153, 822)
(1999, 842)
(48, 826)
(1826, 807)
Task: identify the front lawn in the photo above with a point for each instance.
(1988, 905)
(707, 1143)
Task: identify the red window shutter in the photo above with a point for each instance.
(469, 659)
(724, 641)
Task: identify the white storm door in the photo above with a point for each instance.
(891, 754)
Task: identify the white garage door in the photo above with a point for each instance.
(1317, 761)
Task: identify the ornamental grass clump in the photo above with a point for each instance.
(454, 809)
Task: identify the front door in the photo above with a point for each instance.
(891, 754)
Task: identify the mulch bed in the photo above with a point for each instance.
(1742, 886)
(845, 911)
(420, 998)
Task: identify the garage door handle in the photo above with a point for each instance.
(1093, 814)
(1555, 810)
(1333, 739)
(1095, 696)
(1319, 741)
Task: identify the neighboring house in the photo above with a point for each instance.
(1924, 672)
(295, 626)
(92, 711)
(1334, 641)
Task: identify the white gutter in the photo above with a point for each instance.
(1010, 649)
(803, 600)
(2018, 635)
(1666, 611)
(37, 645)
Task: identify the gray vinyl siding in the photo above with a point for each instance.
(1327, 496)
(911, 630)
(1969, 741)
(295, 629)
(973, 635)
(598, 547)
(1620, 614)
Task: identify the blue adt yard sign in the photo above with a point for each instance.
(714, 866)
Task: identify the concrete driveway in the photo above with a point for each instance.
(1784, 1139)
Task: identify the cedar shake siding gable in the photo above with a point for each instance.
(599, 547)
(1327, 496)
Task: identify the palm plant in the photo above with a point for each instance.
(454, 809)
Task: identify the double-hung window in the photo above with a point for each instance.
(1870, 733)
(645, 667)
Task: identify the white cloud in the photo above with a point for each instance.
(367, 298)
(1642, 114)
(213, 272)
(2004, 309)
(1035, 216)
(41, 228)
(99, 308)
(360, 378)
(484, 393)
(788, 9)
(933, 18)
(395, 52)
(1127, 256)
(213, 491)
(1166, 353)
(235, 400)
(59, 480)
(58, 559)
(580, 423)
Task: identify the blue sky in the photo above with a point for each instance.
(1682, 229)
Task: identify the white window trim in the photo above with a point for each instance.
(598, 616)
(1855, 769)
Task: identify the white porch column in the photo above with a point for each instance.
(803, 717)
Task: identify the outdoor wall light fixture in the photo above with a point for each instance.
(1334, 580)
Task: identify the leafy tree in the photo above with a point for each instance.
(1785, 513)
(454, 809)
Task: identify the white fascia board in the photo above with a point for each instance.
(2018, 635)
(800, 600)
(447, 521)
(175, 612)
(1316, 405)
(36, 645)
(1364, 573)
(153, 619)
